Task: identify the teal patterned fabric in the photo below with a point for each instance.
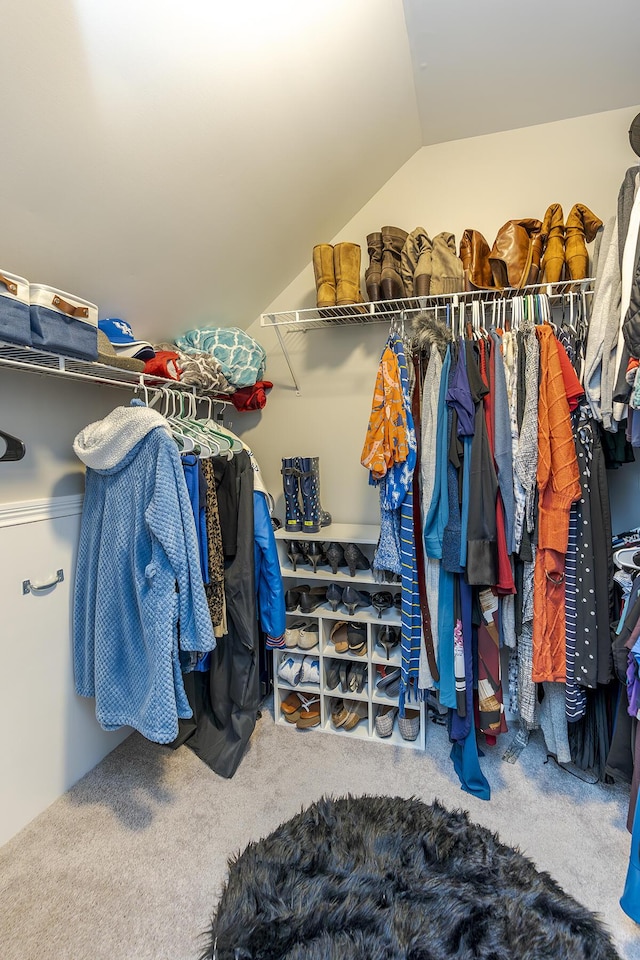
(242, 360)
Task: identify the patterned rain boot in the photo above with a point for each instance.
(325, 516)
(290, 481)
(313, 516)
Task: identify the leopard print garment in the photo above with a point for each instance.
(215, 588)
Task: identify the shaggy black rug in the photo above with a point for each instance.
(383, 878)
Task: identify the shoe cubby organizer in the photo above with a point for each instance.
(360, 672)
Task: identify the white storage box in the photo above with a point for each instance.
(63, 323)
(15, 324)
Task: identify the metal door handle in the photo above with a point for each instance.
(28, 587)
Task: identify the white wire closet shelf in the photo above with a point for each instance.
(388, 311)
(32, 360)
(382, 311)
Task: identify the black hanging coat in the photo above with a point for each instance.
(225, 700)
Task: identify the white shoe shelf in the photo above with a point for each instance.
(366, 537)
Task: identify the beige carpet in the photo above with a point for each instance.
(128, 864)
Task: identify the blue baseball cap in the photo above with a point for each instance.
(124, 343)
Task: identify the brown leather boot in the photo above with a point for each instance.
(415, 264)
(325, 275)
(346, 263)
(582, 225)
(474, 254)
(553, 230)
(393, 240)
(512, 256)
(447, 275)
(372, 273)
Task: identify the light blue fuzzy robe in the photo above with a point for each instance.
(138, 576)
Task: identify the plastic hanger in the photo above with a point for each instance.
(185, 443)
(15, 447)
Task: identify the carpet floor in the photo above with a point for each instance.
(129, 863)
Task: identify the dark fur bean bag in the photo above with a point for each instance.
(383, 878)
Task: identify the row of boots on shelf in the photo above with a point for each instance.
(403, 264)
(301, 485)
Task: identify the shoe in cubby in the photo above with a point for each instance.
(409, 725)
(385, 719)
(292, 633)
(331, 674)
(308, 635)
(386, 643)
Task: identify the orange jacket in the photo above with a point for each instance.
(558, 486)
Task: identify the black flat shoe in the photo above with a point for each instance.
(382, 601)
(332, 674)
(292, 597)
(312, 599)
(357, 638)
(344, 676)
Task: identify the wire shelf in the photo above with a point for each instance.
(383, 311)
(41, 362)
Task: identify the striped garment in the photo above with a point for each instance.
(576, 696)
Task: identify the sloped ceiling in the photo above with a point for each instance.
(482, 67)
(176, 162)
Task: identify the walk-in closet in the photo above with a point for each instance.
(319, 480)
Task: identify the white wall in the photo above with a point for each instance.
(479, 183)
(171, 162)
(46, 413)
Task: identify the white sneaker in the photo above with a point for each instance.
(309, 670)
(289, 669)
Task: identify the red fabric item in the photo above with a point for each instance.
(163, 365)
(505, 584)
(251, 398)
(573, 387)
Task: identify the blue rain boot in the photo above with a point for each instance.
(324, 518)
(630, 899)
(290, 481)
(310, 490)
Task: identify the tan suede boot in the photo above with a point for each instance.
(393, 240)
(415, 263)
(372, 273)
(325, 275)
(582, 225)
(447, 275)
(346, 263)
(553, 230)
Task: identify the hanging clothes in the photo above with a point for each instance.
(138, 596)
(558, 487)
(227, 698)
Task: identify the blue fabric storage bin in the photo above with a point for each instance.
(63, 323)
(15, 323)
